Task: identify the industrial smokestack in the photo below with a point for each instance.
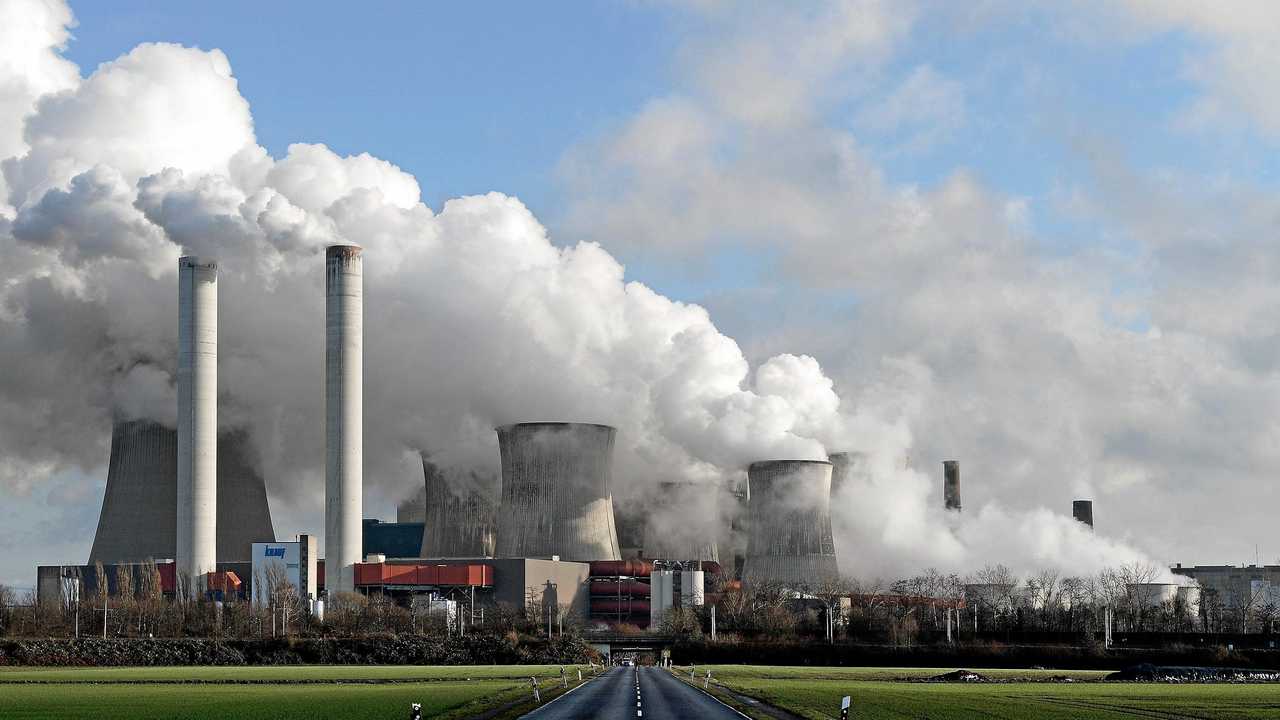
(556, 498)
(197, 496)
(790, 519)
(951, 484)
(1082, 510)
(137, 521)
(457, 524)
(344, 415)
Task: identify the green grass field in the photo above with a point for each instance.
(883, 693)
(265, 692)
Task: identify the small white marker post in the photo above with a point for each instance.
(844, 708)
(690, 673)
(707, 683)
(579, 675)
(537, 696)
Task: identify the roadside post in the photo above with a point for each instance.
(537, 696)
(579, 675)
(690, 673)
(844, 708)
(707, 683)
(564, 681)
(415, 711)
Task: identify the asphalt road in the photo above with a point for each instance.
(625, 692)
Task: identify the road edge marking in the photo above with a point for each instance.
(566, 693)
(680, 680)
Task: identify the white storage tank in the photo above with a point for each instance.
(691, 588)
(661, 588)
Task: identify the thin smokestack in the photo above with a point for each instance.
(951, 484)
(344, 415)
(197, 500)
(1082, 510)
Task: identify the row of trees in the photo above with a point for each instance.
(990, 601)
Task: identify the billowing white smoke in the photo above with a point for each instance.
(473, 317)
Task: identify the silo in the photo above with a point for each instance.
(1082, 510)
(556, 498)
(789, 538)
(344, 415)
(196, 508)
(458, 521)
(681, 522)
(951, 484)
(137, 521)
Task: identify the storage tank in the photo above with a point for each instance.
(662, 586)
(789, 541)
(682, 522)
(692, 588)
(458, 521)
(556, 497)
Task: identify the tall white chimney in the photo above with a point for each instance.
(197, 531)
(344, 415)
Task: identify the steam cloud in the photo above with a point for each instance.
(474, 318)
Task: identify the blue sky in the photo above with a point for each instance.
(1034, 235)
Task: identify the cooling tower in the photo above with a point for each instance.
(845, 466)
(951, 484)
(138, 522)
(458, 524)
(555, 491)
(413, 509)
(344, 415)
(196, 506)
(1082, 510)
(681, 523)
(789, 537)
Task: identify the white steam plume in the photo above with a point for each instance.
(474, 318)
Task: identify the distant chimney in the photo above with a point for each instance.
(1082, 510)
(951, 484)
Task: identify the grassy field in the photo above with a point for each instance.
(265, 692)
(889, 693)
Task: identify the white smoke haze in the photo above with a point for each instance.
(474, 318)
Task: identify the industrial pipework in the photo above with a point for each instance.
(197, 445)
(344, 414)
(789, 540)
(556, 497)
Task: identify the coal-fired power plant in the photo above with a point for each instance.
(458, 522)
(1082, 510)
(556, 496)
(681, 522)
(138, 521)
(344, 415)
(197, 501)
(951, 484)
(790, 516)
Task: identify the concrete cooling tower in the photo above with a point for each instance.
(138, 519)
(555, 491)
(682, 522)
(789, 537)
(458, 521)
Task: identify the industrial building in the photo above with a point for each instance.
(1236, 587)
(790, 516)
